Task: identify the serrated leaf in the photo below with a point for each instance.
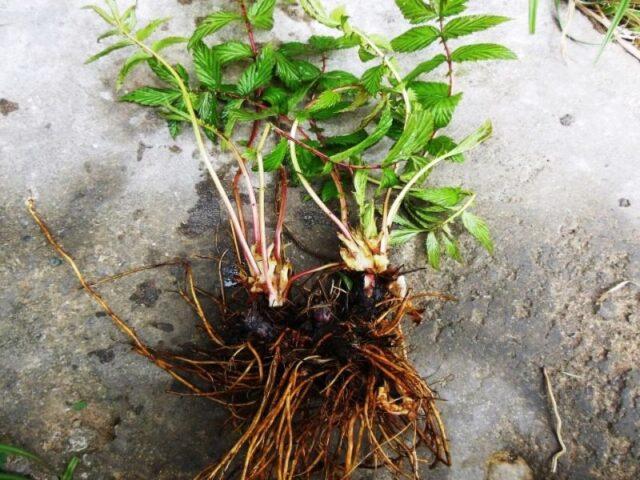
(211, 24)
(329, 191)
(452, 7)
(451, 248)
(151, 97)
(380, 131)
(111, 48)
(175, 128)
(165, 75)
(403, 235)
(261, 14)
(273, 160)
(336, 79)
(416, 11)
(414, 137)
(444, 196)
(326, 99)
(433, 250)
(315, 9)
(416, 38)
(425, 67)
(440, 145)
(208, 108)
(147, 31)
(434, 96)
(207, 65)
(478, 229)
(468, 24)
(232, 51)
(323, 44)
(372, 79)
(104, 15)
(258, 74)
(129, 64)
(360, 180)
(388, 179)
(368, 220)
(482, 51)
(347, 140)
(167, 42)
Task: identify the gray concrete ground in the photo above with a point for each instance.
(559, 183)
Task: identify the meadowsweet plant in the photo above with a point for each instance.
(317, 376)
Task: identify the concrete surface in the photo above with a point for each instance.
(559, 183)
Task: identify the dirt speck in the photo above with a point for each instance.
(624, 202)
(205, 215)
(567, 120)
(146, 294)
(175, 149)
(105, 355)
(165, 327)
(7, 106)
(141, 148)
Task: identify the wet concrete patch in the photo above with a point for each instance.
(146, 294)
(205, 216)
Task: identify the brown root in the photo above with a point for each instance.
(320, 386)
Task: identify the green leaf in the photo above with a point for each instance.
(326, 99)
(452, 7)
(372, 79)
(425, 67)
(482, 51)
(104, 15)
(443, 196)
(11, 476)
(336, 79)
(167, 42)
(79, 405)
(469, 24)
(147, 31)
(368, 220)
(434, 96)
(329, 191)
(416, 11)
(151, 97)
(175, 128)
(258, 74)
(360, 181)
(415, 39)
(276, 97)
(273, 160)
(478, 229)
(212, 24)
(165, 75)
(347, 140)
(129, 64)
(315, 10)
(433, 250)
(533, 14)
(380, 131)
(19, 452)
(441, 145)
(414, 137)
(232, 51)
(451, 248)
(207, 65)
(323, 44)
(476, 138)
(71, 468)
(621, 10)
(108, 50)
(389, 178)
(208, 109)
(261, 14)
(403, 235)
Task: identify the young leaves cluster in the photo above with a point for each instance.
(240, 81)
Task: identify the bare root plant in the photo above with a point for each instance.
(312, 366)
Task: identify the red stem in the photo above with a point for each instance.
(247, 23)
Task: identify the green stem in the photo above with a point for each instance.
(201, 147)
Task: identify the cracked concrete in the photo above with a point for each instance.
(558, 183)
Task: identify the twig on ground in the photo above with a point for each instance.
(558, 431)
